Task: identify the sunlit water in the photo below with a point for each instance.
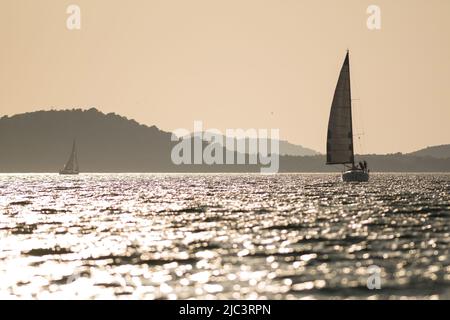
(223, 236)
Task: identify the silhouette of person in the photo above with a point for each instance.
(361, 165)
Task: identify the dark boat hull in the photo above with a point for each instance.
(68, 172)
(355, 176)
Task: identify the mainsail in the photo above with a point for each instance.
(340, 131)
(72, 164)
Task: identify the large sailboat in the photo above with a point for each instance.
(340, 130)
(71, 166)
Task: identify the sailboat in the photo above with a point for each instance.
(71, 166)
(340, 130)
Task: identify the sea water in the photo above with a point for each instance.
(231, 236)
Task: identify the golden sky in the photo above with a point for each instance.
(236, 64)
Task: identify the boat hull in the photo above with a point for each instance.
(355, 176)
(68, 172)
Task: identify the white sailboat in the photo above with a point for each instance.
(71, 166)
(340, 130)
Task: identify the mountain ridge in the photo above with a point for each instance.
(440, 151)
(285, 147)
(40, 141)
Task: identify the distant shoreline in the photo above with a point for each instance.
(41, 141)
(221, 172)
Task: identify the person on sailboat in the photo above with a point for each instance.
(361, 166)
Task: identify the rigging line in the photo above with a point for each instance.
(362, 137)
(357, 106)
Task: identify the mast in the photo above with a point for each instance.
(351, 109)
(340, 124)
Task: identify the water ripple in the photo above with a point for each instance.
(231, 236)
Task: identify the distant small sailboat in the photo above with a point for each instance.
(340, 130)
(71, 166)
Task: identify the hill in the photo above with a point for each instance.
(41, 142)
(285, 147)
(442, 152)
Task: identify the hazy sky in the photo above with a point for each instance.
(236, 64)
